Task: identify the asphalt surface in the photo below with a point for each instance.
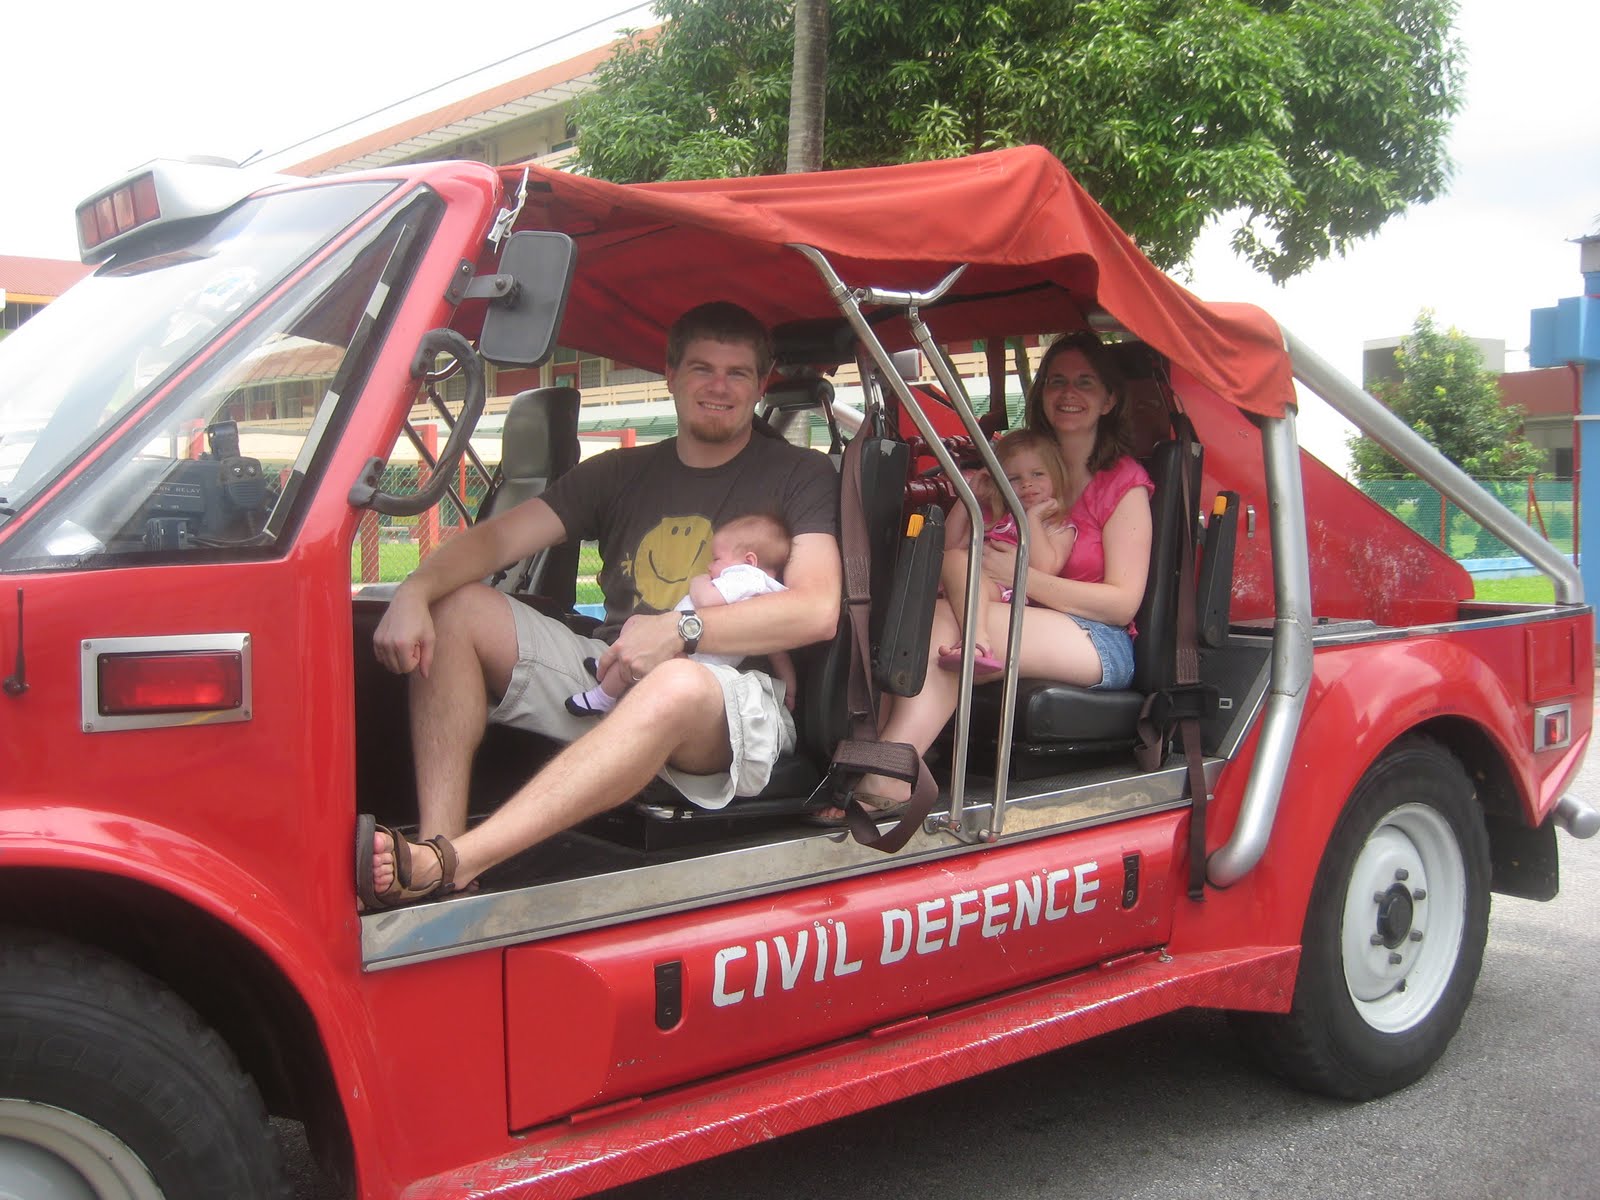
(1173, 1109)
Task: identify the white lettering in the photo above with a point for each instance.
(927, 925)
(896, 926)
(1028, 902)
(1085, 887)
(841, 952)
(957, 919)
(995, 909)
(720, 995)
(822, 953)
(1052, 910)
(789, 964)
(760, 989)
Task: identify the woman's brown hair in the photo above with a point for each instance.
(1114, 435)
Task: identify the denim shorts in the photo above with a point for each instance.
(1115, 649)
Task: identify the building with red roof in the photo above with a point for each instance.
(28, 284)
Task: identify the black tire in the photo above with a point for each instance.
(112, 1086)
(1383, 984)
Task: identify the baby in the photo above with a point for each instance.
(747, 556)
(1035, 470)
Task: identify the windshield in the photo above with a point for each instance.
(70, 373)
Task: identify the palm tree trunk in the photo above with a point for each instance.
(808, 87)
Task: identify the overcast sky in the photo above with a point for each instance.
(97, 88)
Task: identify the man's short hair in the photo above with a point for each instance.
(721, 321)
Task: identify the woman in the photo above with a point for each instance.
(1076, 627)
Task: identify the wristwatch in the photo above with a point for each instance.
(690, 627)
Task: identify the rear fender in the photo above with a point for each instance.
(1362, 699)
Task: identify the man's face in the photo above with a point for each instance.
(715, 388)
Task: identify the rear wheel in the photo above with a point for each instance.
(112, 1089)
(1394, 933)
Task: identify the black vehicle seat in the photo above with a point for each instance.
(538, 444)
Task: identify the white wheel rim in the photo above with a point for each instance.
(47, 1153)
(1404, 916)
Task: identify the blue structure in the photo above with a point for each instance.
(1567, 334)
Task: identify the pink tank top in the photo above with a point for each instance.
(1087, 562)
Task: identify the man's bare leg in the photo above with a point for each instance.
(474, 653)
(673, 715)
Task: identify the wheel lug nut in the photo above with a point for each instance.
(1401, 875)
(1401, 986)
(1416, 935)
(1376, 939)
(1419, 893)
(1379, 897)
(1394, 958)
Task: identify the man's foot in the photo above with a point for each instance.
(593, 703)
(389, 874)
(874, 793)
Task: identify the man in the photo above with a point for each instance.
(712, 731)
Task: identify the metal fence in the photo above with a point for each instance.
(387, 549)
(1545, 504)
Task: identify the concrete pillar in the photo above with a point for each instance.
(1569, 335)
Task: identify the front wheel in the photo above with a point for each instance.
(1394, 934)
(112, 1089)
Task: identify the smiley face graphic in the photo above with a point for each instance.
(676, 549)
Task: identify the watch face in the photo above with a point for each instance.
(690, 628)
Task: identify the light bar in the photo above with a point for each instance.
(119, 211)
(157, 194)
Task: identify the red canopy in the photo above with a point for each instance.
(1041, 255)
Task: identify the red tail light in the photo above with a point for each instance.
(193, 681)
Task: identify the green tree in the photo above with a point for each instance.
(1447, 396)
(1304, 123)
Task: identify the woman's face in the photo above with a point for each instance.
(1074, 397)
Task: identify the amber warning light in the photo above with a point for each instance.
(192, 681)
(123, 208)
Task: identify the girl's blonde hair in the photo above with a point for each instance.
(1049, 452)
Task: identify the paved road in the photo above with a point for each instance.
(1173, 1110)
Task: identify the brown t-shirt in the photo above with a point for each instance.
(653, 516)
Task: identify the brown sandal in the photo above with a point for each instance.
(400, 892)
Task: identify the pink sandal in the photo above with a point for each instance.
(983, 663)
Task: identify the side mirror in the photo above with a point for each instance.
(520, 328)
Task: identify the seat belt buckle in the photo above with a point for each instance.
(1184, 702)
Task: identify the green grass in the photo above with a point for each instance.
(1529, 589)
(396, 560)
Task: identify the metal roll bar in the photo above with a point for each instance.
(1370, 416)
(1291, 656)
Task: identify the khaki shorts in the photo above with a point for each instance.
(550, 668)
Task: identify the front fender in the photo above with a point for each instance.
(37, 835)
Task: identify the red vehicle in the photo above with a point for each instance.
(192, 718)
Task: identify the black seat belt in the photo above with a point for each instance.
(1187, 700)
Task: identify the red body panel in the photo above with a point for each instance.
(766, 978)
(702, 1122)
